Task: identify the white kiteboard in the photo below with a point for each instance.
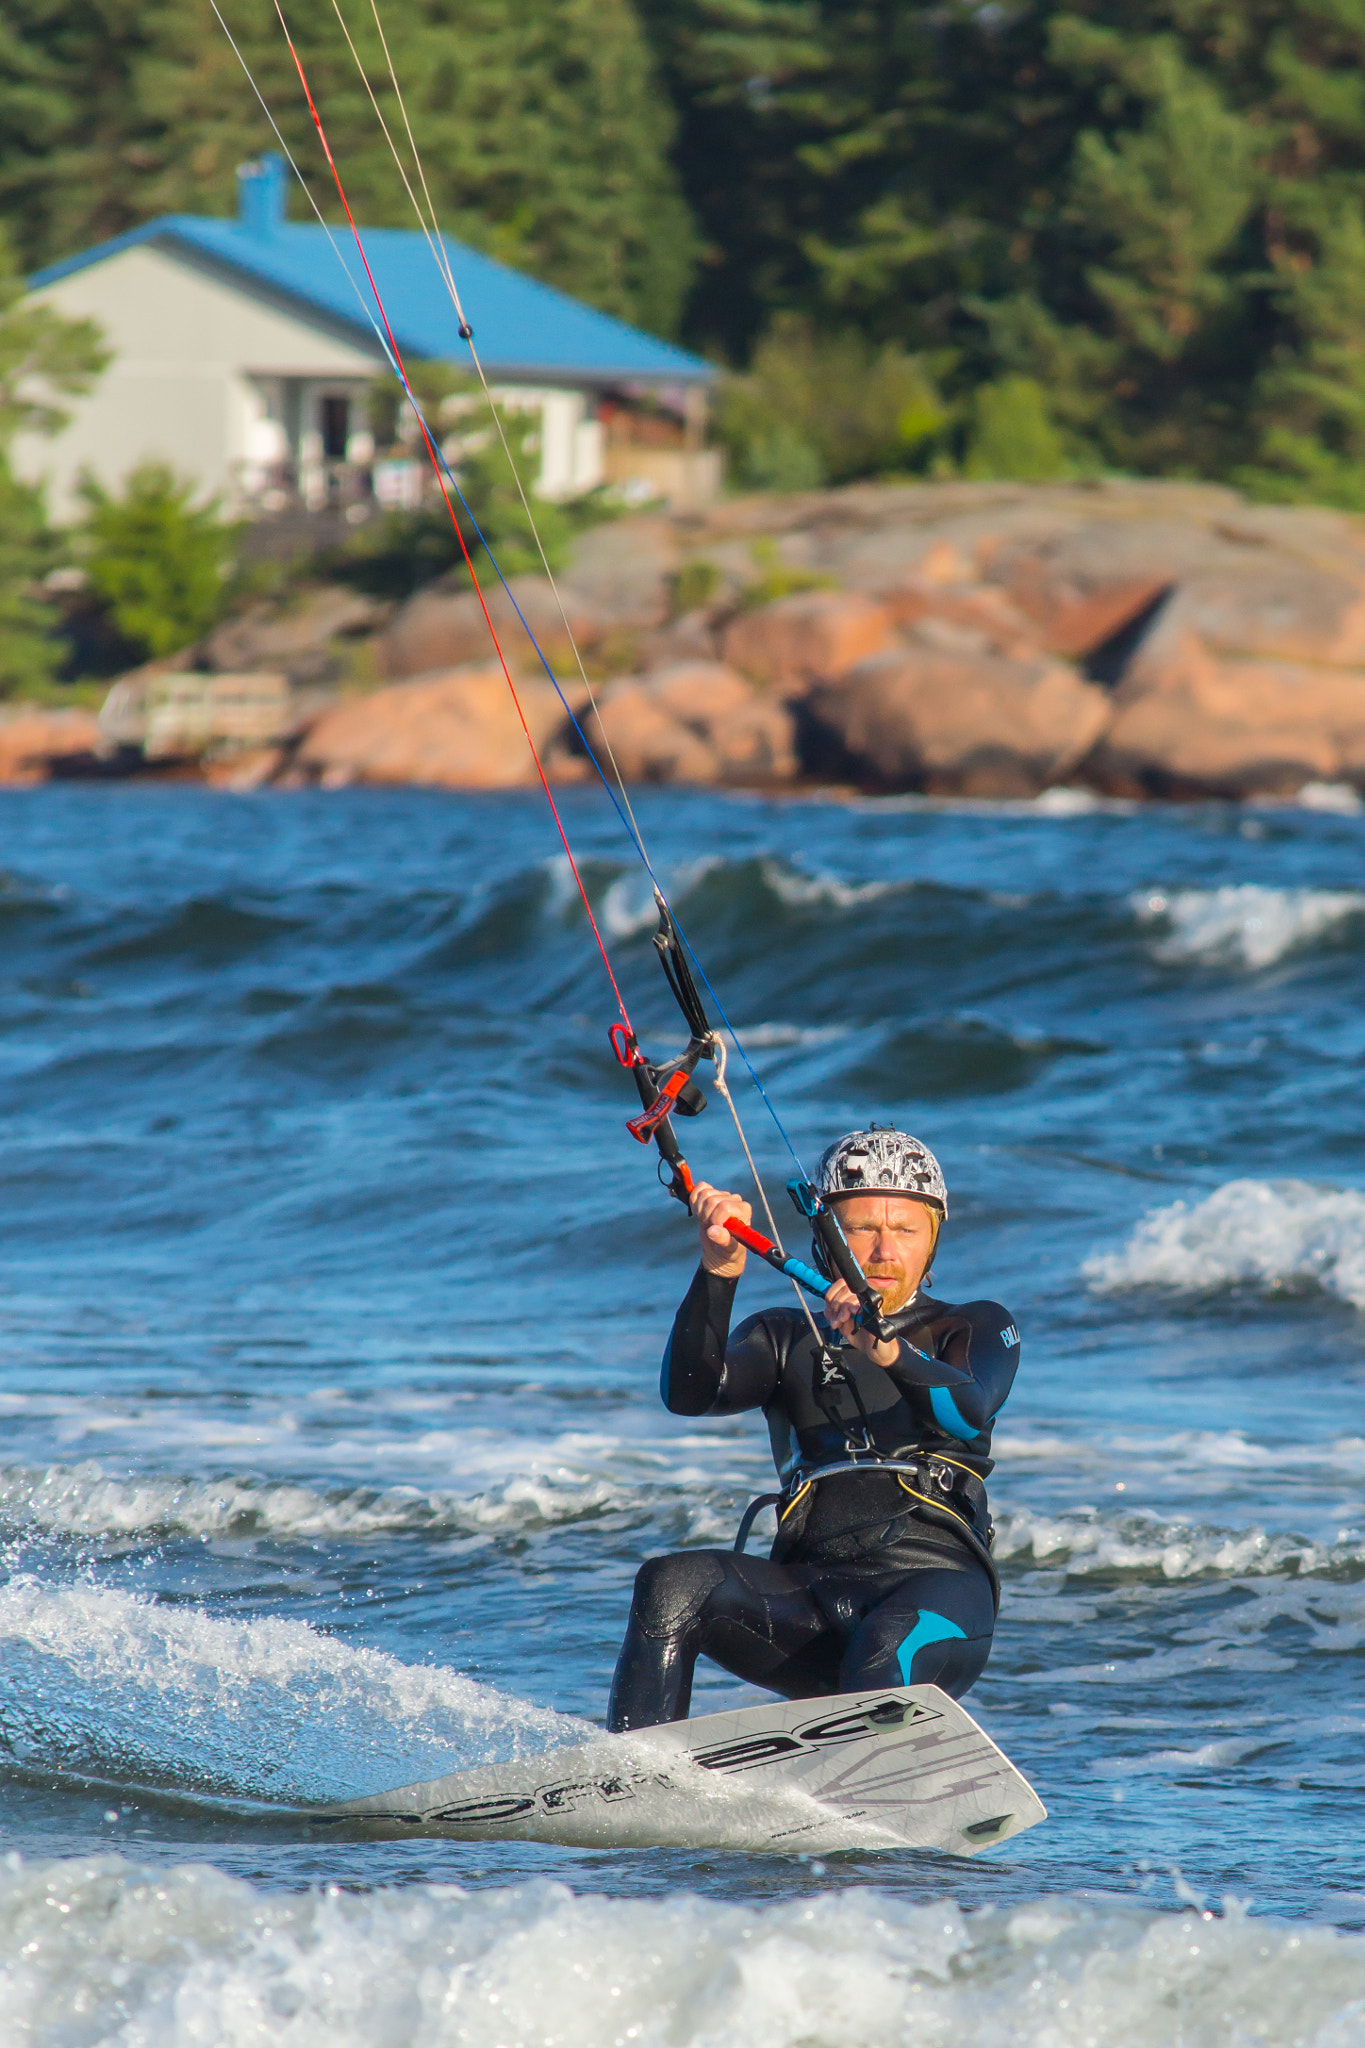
(903, 1768)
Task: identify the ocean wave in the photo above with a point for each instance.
(1243, 924)
(1277, 1235)
(800, 890)
(97, 1949)
(104, 1684)
(1088, 1542)
(83, 1501)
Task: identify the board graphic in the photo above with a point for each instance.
(901, 1768)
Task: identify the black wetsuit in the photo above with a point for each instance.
(876, 1577)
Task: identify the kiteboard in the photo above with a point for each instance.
(901, 1768)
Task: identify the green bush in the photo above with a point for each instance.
(159, 564)
(29, 651)
(826, 408)
(397, 554)
(42, 357)
(1011, 434)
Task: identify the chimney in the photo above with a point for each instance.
(260, 194)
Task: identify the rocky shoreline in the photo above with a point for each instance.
(1141, 640)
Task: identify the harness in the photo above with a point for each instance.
(946, 1493)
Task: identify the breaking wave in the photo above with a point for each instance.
(103, 1684)
(1244, 924)
(98, 1950)
(85, 1502)
(1087, 1542)
(1277, 1235)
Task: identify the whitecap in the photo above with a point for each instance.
(1063, 801)
(1243, 924)
(800, 889)
(628, 907)
(1088, 1543)
(1340, 797)
(574, 1479)
(1271, 1234)
(99, 1949)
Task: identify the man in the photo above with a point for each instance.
(881, 1574)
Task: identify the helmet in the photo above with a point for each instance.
(882, 1161)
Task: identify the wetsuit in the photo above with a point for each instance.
(876, 1577)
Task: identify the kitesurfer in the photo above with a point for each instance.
(881, 1572)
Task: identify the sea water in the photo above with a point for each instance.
(331, 1303)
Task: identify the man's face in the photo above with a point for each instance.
(892, 1238)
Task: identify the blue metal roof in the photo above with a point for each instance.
(522, 329)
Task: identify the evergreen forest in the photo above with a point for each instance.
(1039, 237)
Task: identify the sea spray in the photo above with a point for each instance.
(98, 1950)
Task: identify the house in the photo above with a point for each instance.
(242, 350)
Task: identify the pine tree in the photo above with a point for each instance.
(541, 127)
(41, 357)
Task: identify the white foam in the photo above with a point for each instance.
(799, 890)
(83, 1501)
(101, 1682)
(1271, 1234)
(769, 1037)
(1340, 797)
(1087, 1542)
(99, 1951)
(1065, 802)
(628, 906)
(1243, 924)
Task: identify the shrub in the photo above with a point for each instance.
(826, 408)
(29, 652)
(159, 564)
(1011, 434)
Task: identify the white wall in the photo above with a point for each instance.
(196, 363)
(571, 444)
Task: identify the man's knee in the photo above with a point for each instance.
(938, 1652)
(670, 1592)
(934, 1631)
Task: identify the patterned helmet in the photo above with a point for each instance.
(882, 1161)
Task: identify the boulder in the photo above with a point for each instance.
(1190, 722)
(693, 637)
(295, 636)
(624, 571)
(35, 740)
(695, 722)
(1075, 615)
(441, 628)
(954, 723)
(455, 730)
(1274, 609)
(751, 733)
(923, 606)
(814, 634)
(644, 739)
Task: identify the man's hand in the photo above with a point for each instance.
(720, 1253)
(841, 1306)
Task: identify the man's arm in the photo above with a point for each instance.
(969, 1381)
(704, 1372)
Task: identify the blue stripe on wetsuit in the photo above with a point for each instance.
(930, 1628)
(950, 1418)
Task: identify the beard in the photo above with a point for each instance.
(895, 1289)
